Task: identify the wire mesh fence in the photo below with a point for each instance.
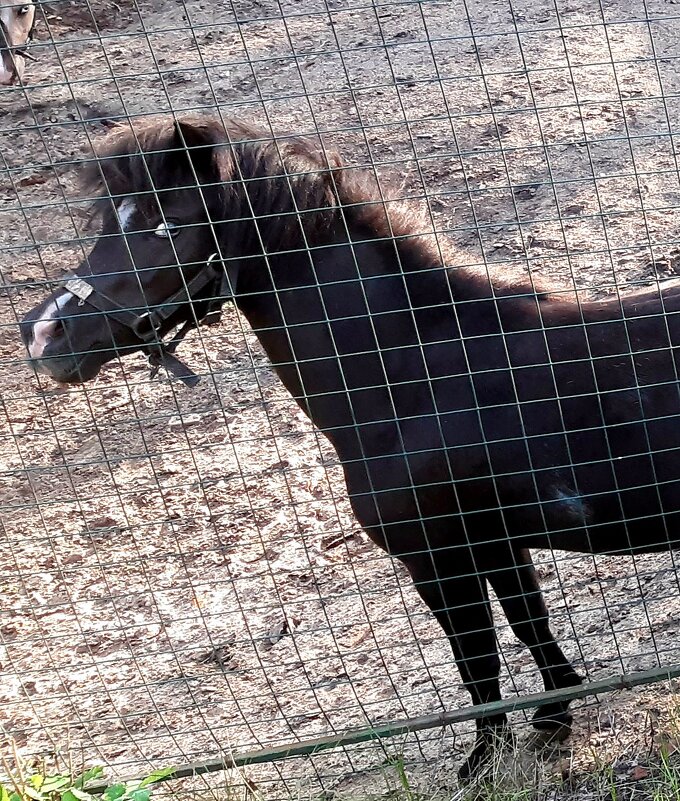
(182, 575)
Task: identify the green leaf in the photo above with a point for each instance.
(156, 776)
(81, 795)
(114, 792)
(86, 776)
(53, 784)
(15, 797)
(36, 795)
(36, 780)
(140, 795)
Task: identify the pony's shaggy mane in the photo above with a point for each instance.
(305, 195)
(283, 176)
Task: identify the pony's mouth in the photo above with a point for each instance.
(67, 370)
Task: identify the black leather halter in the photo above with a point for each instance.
(147, 325)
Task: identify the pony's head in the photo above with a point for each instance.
(185, 204)
(17, 21)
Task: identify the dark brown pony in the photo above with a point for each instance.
(473, 421)
(17, 23)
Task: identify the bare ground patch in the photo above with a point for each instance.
(180, 571)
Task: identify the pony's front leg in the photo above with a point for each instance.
(460, 602)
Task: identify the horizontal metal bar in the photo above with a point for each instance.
(392, 729)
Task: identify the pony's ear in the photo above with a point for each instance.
(203, 141)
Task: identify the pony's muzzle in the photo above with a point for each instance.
(52, 351)
(46, 337)
(39, 335)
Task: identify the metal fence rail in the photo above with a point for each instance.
(181, 574)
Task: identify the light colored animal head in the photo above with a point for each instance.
(17, 20)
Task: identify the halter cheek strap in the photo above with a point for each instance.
(147, 325)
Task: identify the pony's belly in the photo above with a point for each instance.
(651, 536)
(642, 519)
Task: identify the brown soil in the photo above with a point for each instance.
(180, 573)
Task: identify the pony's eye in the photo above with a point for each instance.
(166, 230)
(23, 10)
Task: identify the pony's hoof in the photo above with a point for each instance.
(547, 739)
(552, 717)
(481, 758)
(556, 717)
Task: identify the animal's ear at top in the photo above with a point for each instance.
(202, 140)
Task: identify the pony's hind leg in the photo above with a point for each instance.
(522, 601)
(460, 604)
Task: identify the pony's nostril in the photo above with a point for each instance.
(49, 334)
(57, 330)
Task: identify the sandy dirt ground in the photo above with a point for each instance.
(180, 573)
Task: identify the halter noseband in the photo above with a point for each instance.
(147, 325)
